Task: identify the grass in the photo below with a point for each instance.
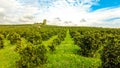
(8, 56)
(66, 56)
(47, 42)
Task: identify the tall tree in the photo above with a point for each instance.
(44, 22)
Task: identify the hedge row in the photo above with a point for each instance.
(103, 41)
(58, 40)
(1, 41)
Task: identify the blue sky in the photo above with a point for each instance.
(100, 13)
(106, 4)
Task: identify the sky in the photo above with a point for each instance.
(98, 13)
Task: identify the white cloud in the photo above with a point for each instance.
(2, 12)
(99, 17)
(12, 12)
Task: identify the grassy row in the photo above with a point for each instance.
(8, 56)
(65, 56)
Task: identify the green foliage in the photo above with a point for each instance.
(45, 36)
(13, 37)
(32, 56)
(91, 42)
(48, 32)
(65, 56)
(1, 41)
(54, 43)
(103, 41)
(19, 45)
(34, 38)
(89, 45)
(52, 47)
(62, 35)
(58, 40)
(111, 53)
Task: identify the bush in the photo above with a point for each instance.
(13, 37)
(45, 36)
(56, 41)
(52, 47)
(1, 41)
(62, 35)
(32, 56)
(34, 38)
(89, 44)
(111, 53)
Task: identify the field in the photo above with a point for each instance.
(30, 46)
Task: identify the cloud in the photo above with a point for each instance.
(101, 17)
(12, 12)
(27, 18)
(2, 12)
